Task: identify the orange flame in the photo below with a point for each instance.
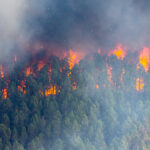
(50, 91)
(22, 87)
(119, 52)
(139, 84)
(145, 58)
(28, 71)
(1, 71)
(40, 65)
(74, 58)
(5, 93)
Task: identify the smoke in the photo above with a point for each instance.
(81, 25)
(89, 24)
(11, 13)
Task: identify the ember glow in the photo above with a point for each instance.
(74, 85)
(139, 84)
(119, 52)
(52, 90)
(1, 71)
(41, 64)
(97, 86)
(5, 93)
(28, 71)
(122, 74)
(22, 87)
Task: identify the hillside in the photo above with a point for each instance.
(98, 103)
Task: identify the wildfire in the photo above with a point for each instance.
(5, 93)
(40, 65)
(22, 87)
(74, 58)
(1, 71)
(139, 84)
(119, 52)
(28, 71)
(50, 91)
(145, 58)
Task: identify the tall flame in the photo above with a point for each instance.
(74, 58)
(145, 58)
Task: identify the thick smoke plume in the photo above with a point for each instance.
(74, 24)
(89, 24)
(11, 16)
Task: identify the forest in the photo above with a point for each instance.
(100, 103)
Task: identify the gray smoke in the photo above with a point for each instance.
(11, 15)
(77, 24)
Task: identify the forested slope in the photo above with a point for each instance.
(100, 104)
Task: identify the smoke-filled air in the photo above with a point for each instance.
(74, 75)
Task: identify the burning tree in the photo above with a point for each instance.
(68, 103)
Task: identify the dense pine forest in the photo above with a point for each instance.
(100, 103)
